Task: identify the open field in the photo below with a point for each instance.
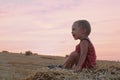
(34, 67)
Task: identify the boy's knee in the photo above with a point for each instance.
(74, 54)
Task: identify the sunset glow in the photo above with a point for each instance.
(44, 27)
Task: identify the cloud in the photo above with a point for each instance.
(42, 5)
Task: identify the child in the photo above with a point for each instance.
(84, 55)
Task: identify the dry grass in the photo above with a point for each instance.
(34, 67)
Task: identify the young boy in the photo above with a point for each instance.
(84, 56)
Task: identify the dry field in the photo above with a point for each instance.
(34, 67)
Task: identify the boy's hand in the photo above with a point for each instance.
(77, 69)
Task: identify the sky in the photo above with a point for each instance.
(44, 27)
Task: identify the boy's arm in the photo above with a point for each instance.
(84, 50)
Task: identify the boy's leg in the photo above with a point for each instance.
(72, 59)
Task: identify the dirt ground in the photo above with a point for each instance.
(34, 67)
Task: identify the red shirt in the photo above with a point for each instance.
(90, 60)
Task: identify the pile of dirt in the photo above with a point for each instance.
(110, 73)
(47, 76)
(54, 74)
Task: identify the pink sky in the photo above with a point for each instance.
(44, 27)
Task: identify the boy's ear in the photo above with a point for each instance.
(83, 30)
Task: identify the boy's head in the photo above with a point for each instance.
(81, 28)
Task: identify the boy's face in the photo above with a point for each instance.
(77, 31)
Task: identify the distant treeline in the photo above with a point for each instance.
(27, 53)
